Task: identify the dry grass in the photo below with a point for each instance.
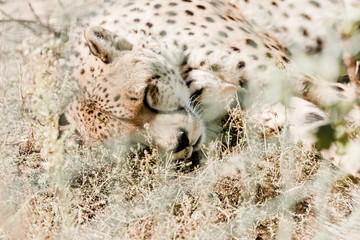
(249, 187)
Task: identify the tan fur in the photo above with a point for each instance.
(143, 63)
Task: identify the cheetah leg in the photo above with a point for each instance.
(303, 120)
(327, 94)
(300, 116)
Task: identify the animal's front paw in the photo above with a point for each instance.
(300, 116)
(270, 117)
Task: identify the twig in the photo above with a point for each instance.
(50, 29)
(16, 20)
(33, 11)
(24, 23)
(60, 3)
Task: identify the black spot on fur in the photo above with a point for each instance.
(307, 17)
(231, 18)
(63, 121)
(215, 67)
(285, 59)
(149, 24)
(319, 45)
(304, 32)
(229, 28)
(314, 3)
(223, 34)
(244, 30)
(251, 43)
(201, 7)
(157, 6)
(171, 13)
(209, 19)
(188, 12)
(313, 117)
(240, 65)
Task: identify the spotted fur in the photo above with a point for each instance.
(141, 65)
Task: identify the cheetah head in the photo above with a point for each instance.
(137, 96)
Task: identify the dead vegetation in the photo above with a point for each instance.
(249, 187)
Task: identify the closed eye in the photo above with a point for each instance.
(146, 103)
(181, 109)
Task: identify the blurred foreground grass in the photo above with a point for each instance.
(249, 187)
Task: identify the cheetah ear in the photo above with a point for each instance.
(104, 44)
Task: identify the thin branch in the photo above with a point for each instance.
(14, 20)
(26, 23)
(60, 3)
(33, 11)
(47, 26)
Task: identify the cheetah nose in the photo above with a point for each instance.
(183, 141)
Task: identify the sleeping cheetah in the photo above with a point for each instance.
(167, 69)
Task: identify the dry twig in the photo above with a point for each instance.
(26, 23)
